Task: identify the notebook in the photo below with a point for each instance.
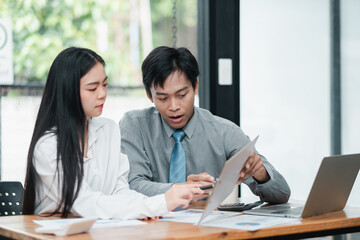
(329, 193)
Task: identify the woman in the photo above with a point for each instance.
(74, 160)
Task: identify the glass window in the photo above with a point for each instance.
(123, 32)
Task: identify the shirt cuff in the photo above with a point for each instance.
(162, 204)
(268, 182)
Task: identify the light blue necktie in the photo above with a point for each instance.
(177, 171)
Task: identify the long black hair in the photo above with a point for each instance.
(61, 113)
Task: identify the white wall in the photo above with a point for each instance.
(285, 86)
(350, 74)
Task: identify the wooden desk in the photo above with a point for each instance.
(346, 221)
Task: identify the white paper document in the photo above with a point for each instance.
(117, 223)
(228, 178)
(62, 227)
(248, 222)
(226, 219)
(193, 216)
(98, 223)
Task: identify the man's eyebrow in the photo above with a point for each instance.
(160, 93)
(96, 83)
(182, 89)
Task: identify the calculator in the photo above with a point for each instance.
(238, 206)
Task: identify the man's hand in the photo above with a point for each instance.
(202, 179)
(254, 168)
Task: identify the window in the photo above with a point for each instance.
(123, 32)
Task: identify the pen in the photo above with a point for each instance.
(207, 187)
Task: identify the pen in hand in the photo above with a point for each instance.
(207, 187)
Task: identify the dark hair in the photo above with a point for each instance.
(61, 113)
(162, 61)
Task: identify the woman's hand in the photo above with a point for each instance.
(181, 194)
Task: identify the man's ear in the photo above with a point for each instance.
(196, 87)
(149, 97)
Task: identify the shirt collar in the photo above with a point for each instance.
(188, 129)
(94, 125)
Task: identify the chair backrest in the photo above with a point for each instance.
(11, 198)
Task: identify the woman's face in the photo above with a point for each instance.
(93, 90)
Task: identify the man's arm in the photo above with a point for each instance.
(275, 190)
(140, 176)
(253, 167)
(261, 177)
(262, 183)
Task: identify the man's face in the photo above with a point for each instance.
(175, 101)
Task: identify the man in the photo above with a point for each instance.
(149, 136)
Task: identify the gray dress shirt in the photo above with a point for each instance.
(209, 142)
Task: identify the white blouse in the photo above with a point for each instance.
(104, 192)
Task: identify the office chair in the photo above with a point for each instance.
(11, 198)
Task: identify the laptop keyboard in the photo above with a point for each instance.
(290, 211)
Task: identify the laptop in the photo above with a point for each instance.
(329, 193)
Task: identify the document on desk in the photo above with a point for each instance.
(228, 178)
(222, 219)
(64, 227)
(248, 222)
(193, 215)
(100, 223)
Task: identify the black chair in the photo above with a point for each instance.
(11, 198)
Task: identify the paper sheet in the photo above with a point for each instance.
(97, 224)
(64, 227)
(117, 223)
(228, 178)
(193, 215)
(248, 222)
(223, 219)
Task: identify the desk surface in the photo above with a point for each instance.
(348, 220)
